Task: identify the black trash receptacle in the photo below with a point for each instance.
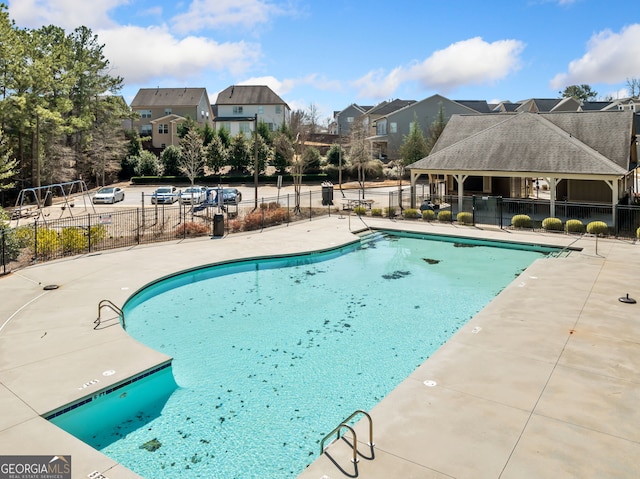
(218, 225)
(327, 193)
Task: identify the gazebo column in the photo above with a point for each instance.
(553, 183)
(613, 184)
(414, 179)
(460, 180)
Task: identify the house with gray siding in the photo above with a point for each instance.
(391, 129)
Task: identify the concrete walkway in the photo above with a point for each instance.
(542, 382)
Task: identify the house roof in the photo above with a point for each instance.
(150, 97)
(552, 143)
(249, 95)
(481, 106)
(387, 107)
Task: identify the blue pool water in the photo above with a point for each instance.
(270, 355)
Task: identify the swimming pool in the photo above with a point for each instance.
(271, 354)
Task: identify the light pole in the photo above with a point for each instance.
(255, 159)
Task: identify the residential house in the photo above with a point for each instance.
(161, 110)
(238, 106)
(393, 127)
(583, 156)
(344, 119)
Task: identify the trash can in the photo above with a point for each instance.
(327, 193)
(218, 225)
(48, 198)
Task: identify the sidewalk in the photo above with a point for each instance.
(542, 382)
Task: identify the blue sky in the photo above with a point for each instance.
(334, 53)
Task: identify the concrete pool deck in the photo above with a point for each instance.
(542, 382)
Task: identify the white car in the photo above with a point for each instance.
(194, 195)
(109, 194)
(165, 195)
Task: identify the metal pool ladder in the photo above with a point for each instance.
(344, 425)
(105, 303)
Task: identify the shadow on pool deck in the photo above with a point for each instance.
(542, 382)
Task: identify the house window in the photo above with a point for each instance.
(260, 110)
(244, 127)
(226, 125)
(167, 111)
(237, 110)
(393, 127)
(146, 129)
(145, 113)
(278, 109)
(163, 129)
(271, 126)
(381, 128)
(349, 119)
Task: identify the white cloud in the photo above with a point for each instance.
(287, 85)
(610, 58)
(68, 14)
(140, 54)
(468, 62)
(206, 14)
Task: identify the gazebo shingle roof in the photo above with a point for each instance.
(592, 143)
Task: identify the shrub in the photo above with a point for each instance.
(360, 210)
(574, 226)
(597, 228)
(521, 221)
(97, 233)
(445, 216)
(428, 215)
(192, 228)
(638, 233)
(48, 242)
(376, 211)
(390, 211)
(253, 221)
(25, 236)
(235, 226)
(272, 205)
(411, 213)
(465, 218)
(275, 216)
(552, 224)
(73, 240)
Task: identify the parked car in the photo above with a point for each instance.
(109, 194)
(194, 195)
(230, 196)
(165, 195)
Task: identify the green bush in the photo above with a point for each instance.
(521, 221)
(552, 224)
(445, 216)
(73, 240)
(411, 213)
(360, 210)
(597, 228)
(638, 233)
(464, 218)
(25, 236)
(390, 211)
(48, 242)
(428, 215)
(376, 211)
(574, 226)
(97, 233)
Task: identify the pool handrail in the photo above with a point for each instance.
(108, 304)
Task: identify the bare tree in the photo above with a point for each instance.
(192, 157)
(359, 152)
(633, 84)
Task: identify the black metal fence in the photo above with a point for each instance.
(43, 240)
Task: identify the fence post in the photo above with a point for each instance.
(138, 225)
(4, 262)
(288, 210)
(89, 232)
(35, 240)
(310, 209)
(500, 209)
